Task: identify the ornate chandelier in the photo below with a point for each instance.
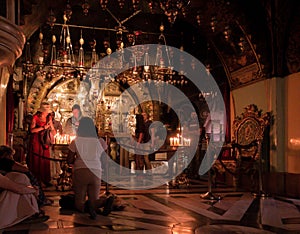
(172, 8)
(63, 63)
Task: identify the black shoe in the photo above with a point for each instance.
(108, 206)
(89, 209)
(36, 219)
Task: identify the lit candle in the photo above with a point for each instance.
(176, 141)
(171, 141)
(72, 137)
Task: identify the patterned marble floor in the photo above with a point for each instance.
(181, 210)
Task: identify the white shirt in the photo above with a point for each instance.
(88, 152)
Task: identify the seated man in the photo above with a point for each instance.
(18, 200)
(8, 164)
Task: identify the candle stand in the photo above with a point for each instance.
(209, 195)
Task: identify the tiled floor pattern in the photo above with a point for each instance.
(179, 211)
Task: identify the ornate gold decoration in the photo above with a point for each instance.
(250, 125)
(249, 129)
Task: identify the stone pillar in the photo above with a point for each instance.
(10, 10)
(4, 77)
(12, 41)
(277, 101)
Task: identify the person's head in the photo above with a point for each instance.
(86, 128)
(76, 111)
(44, 109)
(55, 106)
(145, 115)
(193, 115)
(6, 152)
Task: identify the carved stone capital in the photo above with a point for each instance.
(12, 41)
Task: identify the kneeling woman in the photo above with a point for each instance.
(84, 153)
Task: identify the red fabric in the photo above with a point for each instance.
(9, 109)
(40, 167)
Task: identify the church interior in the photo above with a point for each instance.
(216, 78)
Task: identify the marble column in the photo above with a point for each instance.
(4, 77)
(12, 41)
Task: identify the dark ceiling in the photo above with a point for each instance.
(258, 30)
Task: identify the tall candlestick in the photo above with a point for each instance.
(21, 113)
(25, 87)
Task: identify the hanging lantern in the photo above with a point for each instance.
(227, 33)
(81, 52)
(53, 60)
(121, 3)
(51, 19)
(40, 52)
(85, 7)
(103, 4)
(213, 23)
(198, 19)
(68, 11)
(94, 53)
(135, 4)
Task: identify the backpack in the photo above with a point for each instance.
(67, 201)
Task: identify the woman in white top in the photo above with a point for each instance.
(85, 153)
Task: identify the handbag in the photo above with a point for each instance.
(46, 138)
